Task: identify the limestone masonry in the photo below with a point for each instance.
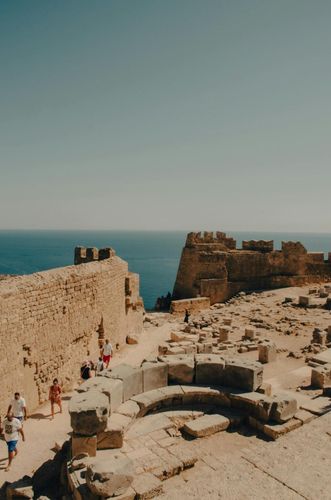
(50, 321)
(211, 266)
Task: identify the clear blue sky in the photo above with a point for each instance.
(165, 114)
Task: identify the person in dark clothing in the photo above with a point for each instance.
(85, 371)
(187, 316)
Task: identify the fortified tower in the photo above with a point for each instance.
(211, 266)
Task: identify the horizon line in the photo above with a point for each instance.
(228, 231)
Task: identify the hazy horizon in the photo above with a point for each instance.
(161, 116)
(155, 230)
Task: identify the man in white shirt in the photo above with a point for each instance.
(107, 352)
(11, 428)
(18, 407)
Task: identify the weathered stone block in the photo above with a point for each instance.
(250, 333)
(128, 409)
(110, 477)
(243, 374)
(206, 425)
(320, 337)
(132, 380)
(176, 350)
(321, 376)
(154, 375)
(305, 301)
(105, 385)
(277, 430)
(83, 444)
(159, 398)
(89, 412)
(180, 368)
(284, 407)
(190, 349)
(209, 369)
(208, 348)
(253, 403)
(224, 333)
(147, 486)
(205, 395)
(112, 436)
(267, 352)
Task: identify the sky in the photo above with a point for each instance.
(176, 114)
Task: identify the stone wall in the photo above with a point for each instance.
(50, 321)
(196, 305)
(212, 266)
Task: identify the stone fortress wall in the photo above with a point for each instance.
(211, 266)
(50, 321)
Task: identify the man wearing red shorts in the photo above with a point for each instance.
(107, 352)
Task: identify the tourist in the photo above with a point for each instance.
(187, 316)
(12, 427)
(99, 367)
(107, 352)
(55, 396)
(18, 407)
(85, 371)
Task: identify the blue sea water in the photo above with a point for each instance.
(154, 255)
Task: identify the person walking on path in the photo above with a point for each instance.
(85, 371)
(18, 407)
(107, 352)
(11, 428)
(54, 396)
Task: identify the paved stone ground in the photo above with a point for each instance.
(294, 467)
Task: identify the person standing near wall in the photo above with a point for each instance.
(54, 396)
(85, 370)
(99, 366)
(18, 407)
(11, 428)
(107, 352)
(187, 316)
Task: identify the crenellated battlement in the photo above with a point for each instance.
(293, 247)
(209, 237)
(211, 266)
(258, 245)
(91, 254)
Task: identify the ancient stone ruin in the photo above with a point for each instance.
(51, 320)
(211, 266)
(197, 395)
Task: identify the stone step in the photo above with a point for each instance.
(206, 425)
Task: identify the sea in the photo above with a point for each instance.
(153, 254)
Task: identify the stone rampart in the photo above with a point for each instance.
(51, 321)
(258, 245)
(208, 237)
(211, 266)
(198, 304)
